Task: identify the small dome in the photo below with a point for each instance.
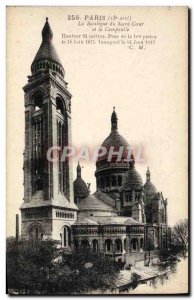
(80, 188)
(149, 187)
(132, 178)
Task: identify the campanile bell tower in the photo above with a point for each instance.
(48, 209)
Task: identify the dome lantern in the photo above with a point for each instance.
(78, 170)
(148, 175)
(114, 120)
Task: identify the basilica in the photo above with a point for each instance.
(125, 219)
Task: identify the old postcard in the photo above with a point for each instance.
(97, 150)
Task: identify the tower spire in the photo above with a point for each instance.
(148, 174)
(114, 120)
(47, 58)
(78, 170)
(47, 33)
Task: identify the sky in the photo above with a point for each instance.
(148, 89)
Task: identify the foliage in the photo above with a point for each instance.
(180, 237)
(91, 270)
(42, 267)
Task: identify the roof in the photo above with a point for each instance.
(105, 198)
(114, 220)
(124, 278)
(93, 203)
(115, 139)
(47, 49)
(38, 201)
(80, 188)
(149, 187)
(85, 221)
(132, 179)
(117, 220)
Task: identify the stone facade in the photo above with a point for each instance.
(125, 219)
(48, 186)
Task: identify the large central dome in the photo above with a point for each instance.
(115, 139)
(111, 167)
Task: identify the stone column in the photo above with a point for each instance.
(128, 244)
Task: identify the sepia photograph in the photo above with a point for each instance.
(97, 150)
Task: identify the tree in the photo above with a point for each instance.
(29, 264)
(180, 237)
(91, 271)
(43, 267)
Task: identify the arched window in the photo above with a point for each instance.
(85, 244)
(134, 245)
(118, 246)
(129, 197)
(102, 183)
(95, 245)
(108, 246)
(66, 242)
(114, 183)
(107, 182)
(60, 105)
(119, 180)
(38, 100)
(36, 233)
